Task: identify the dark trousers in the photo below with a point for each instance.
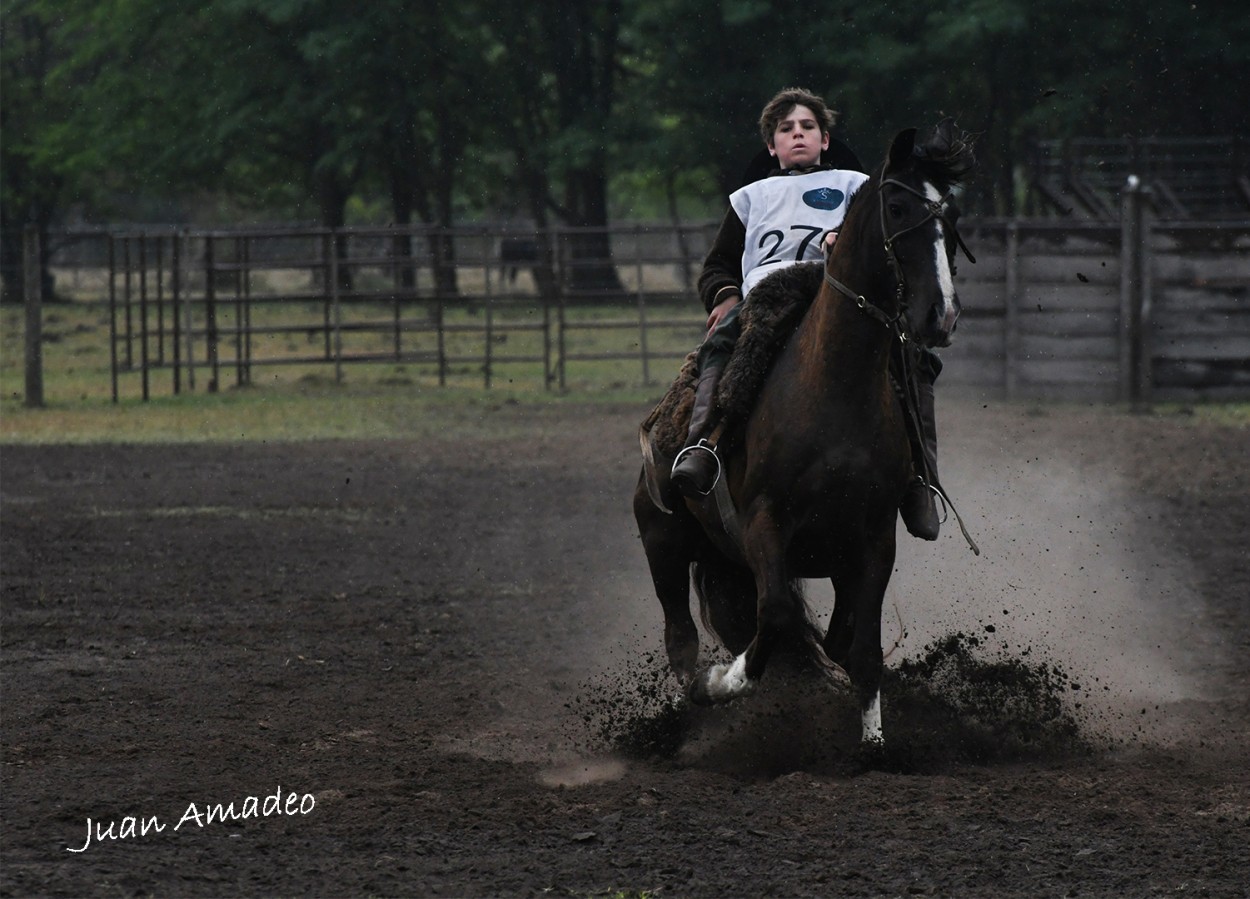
(718, 345)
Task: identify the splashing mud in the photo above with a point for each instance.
(959, 702)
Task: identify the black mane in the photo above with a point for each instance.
(945, 156)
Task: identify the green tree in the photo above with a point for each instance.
(32, 183)
(414, 68)
(554, 69)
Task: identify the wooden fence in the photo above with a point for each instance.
(1054, 309)
(1137, 311)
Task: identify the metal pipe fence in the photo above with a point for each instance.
(1131, 311)
(209, 307)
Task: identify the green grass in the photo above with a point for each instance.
(306, 401)
(278, 414)
(370, 401)
(1230, 415)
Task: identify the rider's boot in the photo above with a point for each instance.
(918, 506)
(696, 467)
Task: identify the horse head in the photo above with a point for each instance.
(918, 216)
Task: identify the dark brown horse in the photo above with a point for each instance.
(817, 471)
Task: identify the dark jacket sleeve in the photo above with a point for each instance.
(723, 266)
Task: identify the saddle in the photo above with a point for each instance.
(771, 316)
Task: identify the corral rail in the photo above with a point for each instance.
(1134, 311)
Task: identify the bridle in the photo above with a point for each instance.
(936, 210)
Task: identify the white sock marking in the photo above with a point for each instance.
(946, 279)
(872, 721)
(728, 681)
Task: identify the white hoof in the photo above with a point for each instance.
(872, 735)
(723, 682)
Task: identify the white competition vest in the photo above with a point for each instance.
(787, 215)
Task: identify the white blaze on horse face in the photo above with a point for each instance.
(872, 721)
(728, 681)
(946, 279)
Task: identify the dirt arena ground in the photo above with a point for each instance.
(417, 669)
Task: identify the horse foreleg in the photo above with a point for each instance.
(837, 642)
(863, 593)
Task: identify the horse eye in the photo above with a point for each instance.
(895, 209)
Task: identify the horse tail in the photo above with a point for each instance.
(726, 602)
(727, 606)
(648, 467)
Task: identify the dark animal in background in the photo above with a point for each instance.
(516, 253)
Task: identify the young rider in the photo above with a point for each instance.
(788, 217)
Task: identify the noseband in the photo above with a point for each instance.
(936, 210)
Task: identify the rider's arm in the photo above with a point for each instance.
(720, 282)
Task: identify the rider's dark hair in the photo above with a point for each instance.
(783, 104)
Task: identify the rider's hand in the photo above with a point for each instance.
(720, 310)
(827, 244)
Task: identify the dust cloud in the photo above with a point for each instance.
(1076, 568)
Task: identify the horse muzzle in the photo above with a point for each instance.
(941, 323)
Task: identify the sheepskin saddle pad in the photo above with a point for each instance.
(776, 306)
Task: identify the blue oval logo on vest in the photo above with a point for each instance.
(824, 198)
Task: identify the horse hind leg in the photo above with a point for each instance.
(666, 541)
(681, 638)
(726, 601)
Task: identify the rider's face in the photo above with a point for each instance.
(798, 140)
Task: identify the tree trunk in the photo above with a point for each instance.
(402, 190)
(591, 268)
(332, 197)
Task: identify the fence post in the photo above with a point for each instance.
(160, 300)
(642, 308)
(488, 355)
(548, 374)
(1134, 358)
(242, 311)
(126, 297)
(175, 288)
(113, 316)
(33, 288)
(335, 301)
(143, 315)
(1145, 371)
(210, 317)
(1011, 313)
(561, 349)
(189, 315)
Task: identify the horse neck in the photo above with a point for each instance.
(853, 348)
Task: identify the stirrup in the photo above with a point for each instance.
(939, 499)
(707, 447)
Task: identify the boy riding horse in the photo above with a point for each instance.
(790, 216)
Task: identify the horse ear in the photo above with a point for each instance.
(902, 148)
(942, 138)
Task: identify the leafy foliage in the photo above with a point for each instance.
(543, 110)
